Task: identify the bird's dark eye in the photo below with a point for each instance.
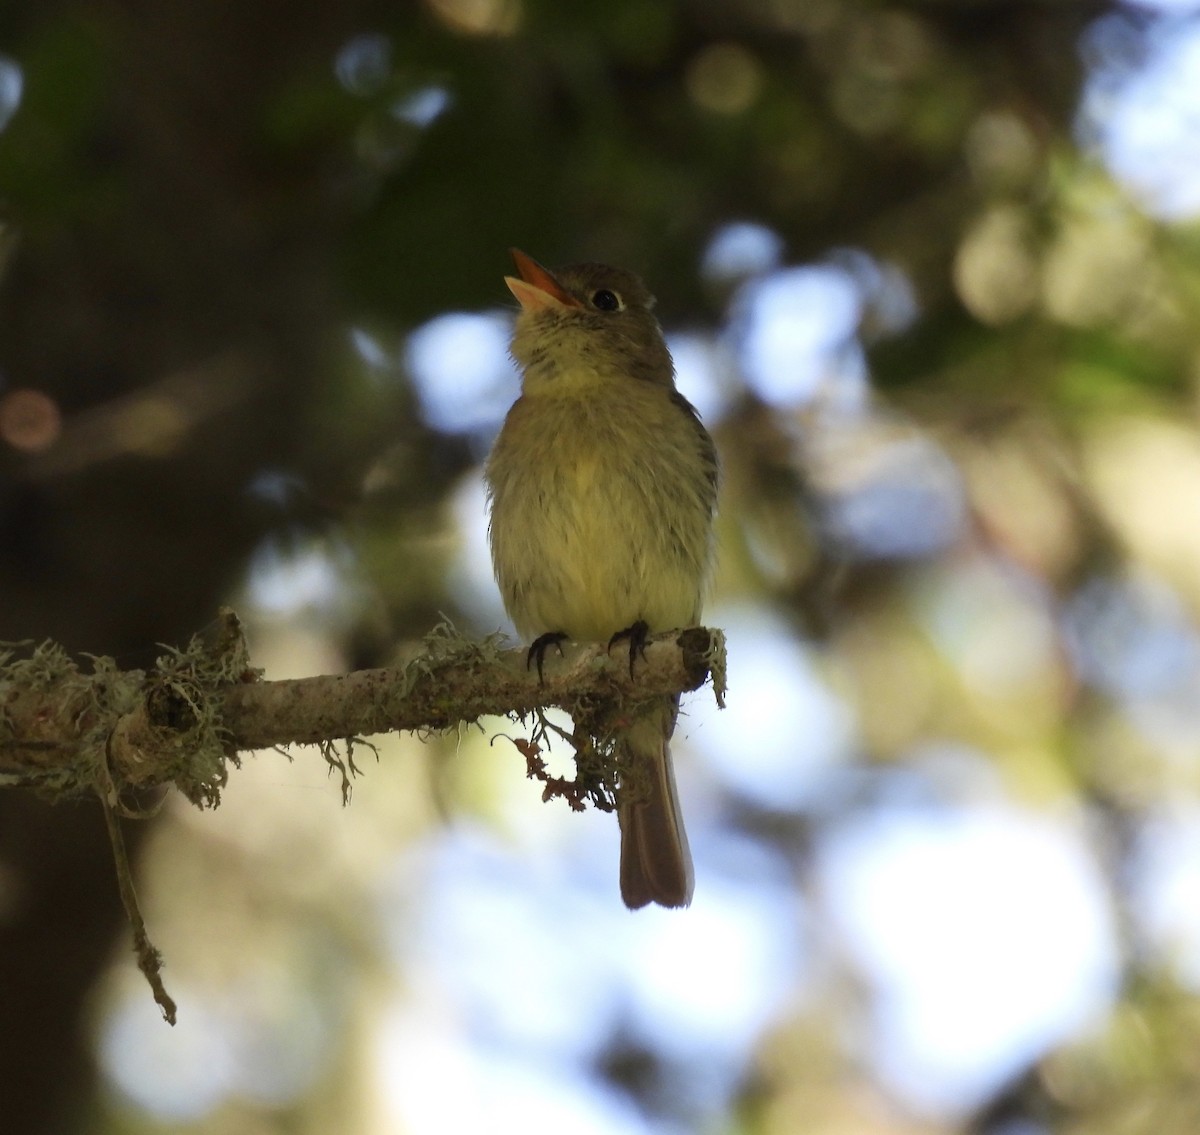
(604, 300)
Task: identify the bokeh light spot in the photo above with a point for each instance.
(995, 272)
(797, 335)
(739, 249)
(364, 63)
(12, 84)
(423, 106)
(176, 1075)
(986, 932)
(29, 420)
(1141, 108)
(459, 364)
(478, 17)
(724, 78)
(777, 680)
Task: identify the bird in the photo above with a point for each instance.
(602, 487)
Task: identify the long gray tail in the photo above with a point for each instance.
(656, 862)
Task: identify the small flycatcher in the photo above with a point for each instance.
(603, 485)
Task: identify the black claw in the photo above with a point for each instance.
(539, 646)
(637, 634)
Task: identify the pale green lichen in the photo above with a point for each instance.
(183, 690)
(181, 703)
(446, 647)
(715, 658)
(344, 766)
(87, 705)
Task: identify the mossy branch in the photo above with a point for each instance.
(65, 731)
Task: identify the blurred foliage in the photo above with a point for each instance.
(198, 203)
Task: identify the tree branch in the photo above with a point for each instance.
(63, 731)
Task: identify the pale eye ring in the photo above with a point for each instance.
(604, 299)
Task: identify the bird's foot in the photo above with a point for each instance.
(539, 646)
(637, 634)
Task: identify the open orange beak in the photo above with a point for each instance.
(537, 289)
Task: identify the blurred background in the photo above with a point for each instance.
(931, 273)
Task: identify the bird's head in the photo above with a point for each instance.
(585, 320)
